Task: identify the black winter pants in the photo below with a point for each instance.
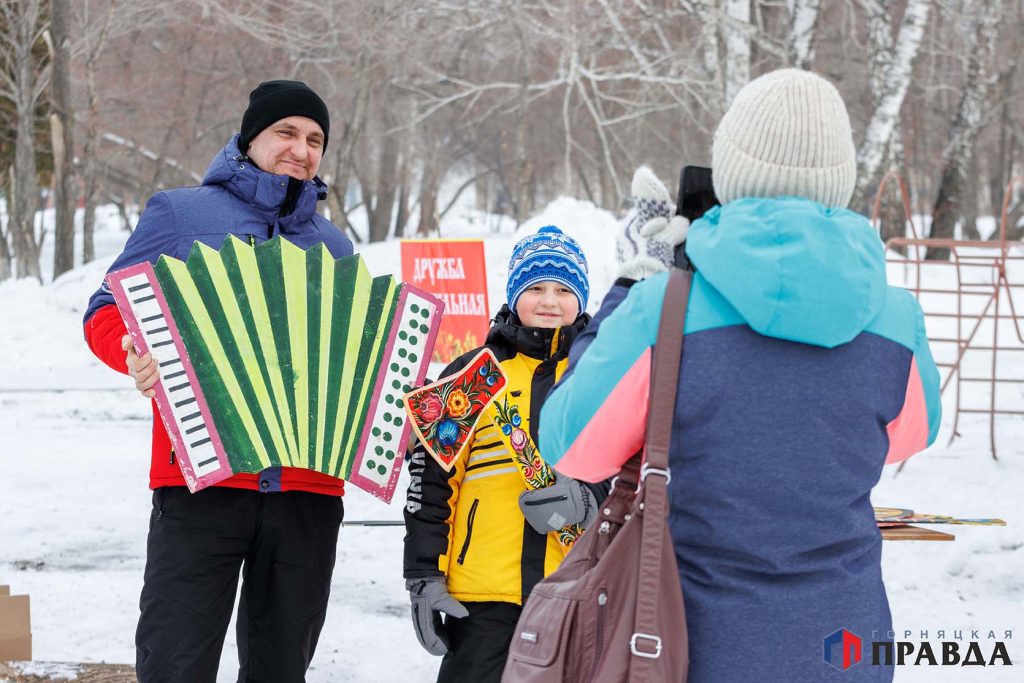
(283, 543)
(478, 644)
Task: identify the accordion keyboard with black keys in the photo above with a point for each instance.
(274, 356)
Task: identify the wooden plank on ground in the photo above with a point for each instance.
(914, 533)
(48, 672)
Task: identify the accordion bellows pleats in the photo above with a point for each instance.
(274, 356)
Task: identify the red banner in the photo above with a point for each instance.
(456, 272)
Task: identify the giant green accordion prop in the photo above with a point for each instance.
(274, 356)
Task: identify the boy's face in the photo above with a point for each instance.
(547, 304)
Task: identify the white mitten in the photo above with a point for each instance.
(652, 233)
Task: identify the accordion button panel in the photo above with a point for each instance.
(174, 377)
(405, 365)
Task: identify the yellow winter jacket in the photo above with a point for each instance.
(466, 524)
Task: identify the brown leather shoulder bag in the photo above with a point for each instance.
(613, 611)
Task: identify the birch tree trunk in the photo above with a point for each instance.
(382, 211)
(352, 133)
(891, 68)
(969, 201)
(403, 178)
(519, 193)
(1001, 167)
(521, 199)
(892, 213)
(61, 133)
(737, 47)
(963, 132)
(21, 21)
(5, 251)
(1010, 143)
(707, 16)
(90, 167)
(429, 186)
(337, 199)
(5, 259)
(803, 21)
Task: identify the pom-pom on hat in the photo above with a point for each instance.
(786, 133)
(548, 255)
(272, 101)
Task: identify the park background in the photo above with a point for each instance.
(452, 119)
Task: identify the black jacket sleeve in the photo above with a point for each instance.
(428, 514)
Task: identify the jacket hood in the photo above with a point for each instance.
(508, 331)
(266, 192)
(792, 268)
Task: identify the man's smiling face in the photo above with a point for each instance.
(292, 146)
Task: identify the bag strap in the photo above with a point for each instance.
(665, 369)
(652, 497)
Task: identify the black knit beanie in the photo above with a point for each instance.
(272, 101)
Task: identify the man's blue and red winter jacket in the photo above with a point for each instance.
(236, 198)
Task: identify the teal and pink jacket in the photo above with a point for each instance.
(803, 374)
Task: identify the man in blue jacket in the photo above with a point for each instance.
(262, 184)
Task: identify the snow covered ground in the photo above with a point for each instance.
(74, 451)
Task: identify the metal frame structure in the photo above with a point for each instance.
(988, 276)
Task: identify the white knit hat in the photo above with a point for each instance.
(787, 133)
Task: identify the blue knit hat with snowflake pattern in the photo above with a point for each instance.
(548, 255)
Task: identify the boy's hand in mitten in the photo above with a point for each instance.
(429, 597)
(567, 501)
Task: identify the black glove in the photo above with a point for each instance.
(429, 598)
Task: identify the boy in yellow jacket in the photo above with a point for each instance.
(469, 550)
